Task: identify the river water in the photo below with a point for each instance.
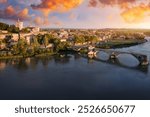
(75, 77)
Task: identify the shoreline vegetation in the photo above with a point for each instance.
(113, 44)
(15, 43)
(103, 45)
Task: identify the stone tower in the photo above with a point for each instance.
(19, 25)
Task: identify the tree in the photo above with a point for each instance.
(87, 38)
(62, 46)
(56, 44)
(45, 40)
(94, 39)
(91, 39)
(8, 38)
(15, 50)
(3, 26)
(1, 42)
(40, 39)
(13, 29)
(25, 30)
(35, 42)
(79, 39)
(22, 46)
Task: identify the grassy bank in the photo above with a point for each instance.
(11, 57)
(37, 55)
(119, 43)
(45, 54)
(20, 56)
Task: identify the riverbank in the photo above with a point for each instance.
(21, 56)
(38, 55)
(104, 45)
(119, 43)
(11, 57)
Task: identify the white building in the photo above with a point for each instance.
(19, 25)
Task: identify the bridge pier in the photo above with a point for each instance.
(143, 59)
(113, 56)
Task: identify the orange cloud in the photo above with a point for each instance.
(10, 10)
(132, 11)
(93, 3)
(40, 22)
(13, 14)
(136, 14)
(47, 6)
(23, 14)
(3, 1)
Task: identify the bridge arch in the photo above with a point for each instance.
(143, 59)
(102, 55)
(128, 60)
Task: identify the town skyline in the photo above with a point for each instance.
(80, 14)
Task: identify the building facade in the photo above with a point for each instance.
(19, 25)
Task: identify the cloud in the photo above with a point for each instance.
(72, 16)
(93, 3)
(13, 14)
(58, 23)
(47, 6)
(3, 1)
(28, 2)
(132, 11)
(24, 14)
(109, 2)
(110, 17)
(136, 14)
(40, 21)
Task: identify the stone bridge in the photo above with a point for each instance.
(116, 62)
(143, 59)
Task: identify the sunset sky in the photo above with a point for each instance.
(77, 13)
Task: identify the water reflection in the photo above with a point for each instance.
(2, 65)
(62, 58)
(32, 63)
(125, 61)
(128, 60)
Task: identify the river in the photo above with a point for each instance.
(75, 77)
